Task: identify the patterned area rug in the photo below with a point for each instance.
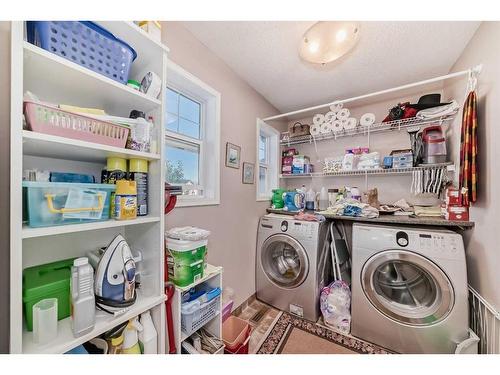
(293, 335)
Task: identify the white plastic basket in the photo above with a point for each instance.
(197, 319)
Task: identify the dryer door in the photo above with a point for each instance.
(284, 261)
(407, 287)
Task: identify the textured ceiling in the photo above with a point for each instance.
(265, 54)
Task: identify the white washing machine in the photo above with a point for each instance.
(291, 264)
(409, 288)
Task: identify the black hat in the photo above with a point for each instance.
(428, 101)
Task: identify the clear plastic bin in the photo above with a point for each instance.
(60, 203)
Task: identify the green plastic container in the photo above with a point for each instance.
(47, 281)
(185, 260)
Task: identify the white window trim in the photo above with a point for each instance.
(273, 154)
(210, 100)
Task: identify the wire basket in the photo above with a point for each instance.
(84, 43)
(51, 120)
(197, 319)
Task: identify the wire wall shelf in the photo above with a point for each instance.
(389, 126)
(365, 172)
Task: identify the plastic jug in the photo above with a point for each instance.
(323, 199)
(82, 297)
(148, 336)
(310, 198)
(45, 320)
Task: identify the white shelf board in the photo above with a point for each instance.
(72, 228)
(210, 272)
(56, 79)
(66, 341)
(51, 146)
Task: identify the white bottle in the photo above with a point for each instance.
(323, 199)
(310, 198)
(148, 336)
(82, 297)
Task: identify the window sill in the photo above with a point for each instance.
(195, 202)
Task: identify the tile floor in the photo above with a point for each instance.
(260, 327)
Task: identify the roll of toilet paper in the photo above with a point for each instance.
(350, 123)
(337, 126)
(367, 119)
(318, 119)
(343, 114)
(335, 107)
(330, 116)
(314, 130)
(324, 128)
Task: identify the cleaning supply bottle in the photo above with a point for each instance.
(116, 170)
(138, 172)
(82, 297)
(115, 345)
(310, 197)
(323, 199)
(131, 338)
(148, 336)
(125, 200)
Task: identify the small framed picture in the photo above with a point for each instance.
(248, 173)
(233, 154)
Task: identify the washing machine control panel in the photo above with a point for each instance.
(439, 243)
(402, 239)
(284, 226)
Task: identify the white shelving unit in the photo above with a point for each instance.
(213, 279)
(57, 80)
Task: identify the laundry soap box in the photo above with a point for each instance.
(185, 260)
(60, 203)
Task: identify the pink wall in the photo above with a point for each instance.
(233, 223)
(483, 250)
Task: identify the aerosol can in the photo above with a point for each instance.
(82, 297)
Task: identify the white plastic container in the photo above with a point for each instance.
(323, 199)
(82, 297)
(148, 337)
(45, 321)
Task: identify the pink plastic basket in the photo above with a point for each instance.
(54, 121)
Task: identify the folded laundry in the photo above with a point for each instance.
(441, 111)
(351, 207)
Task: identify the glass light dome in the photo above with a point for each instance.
(326, 41)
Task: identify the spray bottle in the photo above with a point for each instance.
(148, 336)
(131, 338)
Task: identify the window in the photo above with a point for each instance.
(267, 160)
(192, 145)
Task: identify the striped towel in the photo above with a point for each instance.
(468, 151)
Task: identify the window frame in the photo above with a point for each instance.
(193, 88)
(272, 163)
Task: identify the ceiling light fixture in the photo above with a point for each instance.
(326, 41)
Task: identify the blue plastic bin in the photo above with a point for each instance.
(86, 44)
(60, 203)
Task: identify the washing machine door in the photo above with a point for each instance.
(407, 287)
(284, 261)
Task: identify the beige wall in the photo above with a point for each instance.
(233, 223)
(4, 182)
(483, 249)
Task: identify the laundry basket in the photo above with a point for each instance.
(51, 120)
(86, 44)
(197, 319)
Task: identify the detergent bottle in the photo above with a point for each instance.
(148, 335)
(310, 198)
(131, 338)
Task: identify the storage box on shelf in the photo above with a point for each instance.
(56, 79)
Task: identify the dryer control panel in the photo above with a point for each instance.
(297, 228)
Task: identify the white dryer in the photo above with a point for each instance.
(409, 288)
(291, 264)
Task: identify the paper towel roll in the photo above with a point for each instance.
(336, 107)
(367, 119)
(330, 116)
(350, 124)
(314, 130)
(344, 113)
(324, 128)
(318, 119)
(337, 126)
